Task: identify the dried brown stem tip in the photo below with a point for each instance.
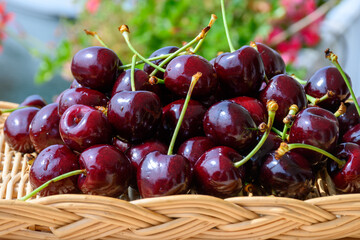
(203, 33)
(330, 94)
(271, 105)
(253, 45)
(289, 119)
(196, 76)
(341, 110)
(263, 127)
(284, 148)
(124, 28)
(330, 55)
(91, 33)
(212, 20)
(153, 80)
(294, 108)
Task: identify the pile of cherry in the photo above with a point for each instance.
(246, 123)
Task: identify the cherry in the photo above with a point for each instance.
(328, 79)
(349, 119)
(95, 67)
(135, 114)
(347, 177)
(85, 96)
(216, 174)
(317, 127)
(76, 84)
(227, 123)
(108, 171)
(44, 128)
(256, 109)
(180, 70)
(286, 91)
(290, 176)
(83, 126)
(16, 129)
(192, 123)
(141, 82)
(162, 51)
(273, 62)
(51, 162)
(33, 101)
(122, 145)
(241, 72)
(352, 135)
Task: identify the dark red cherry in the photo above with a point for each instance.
(227, 123)
(241, 72)
(179, 73)
(75, 84)
(194, 147)
(123, 82)
(346, 178)
(162, 175)
(352, 135)
(44, 128)
(83, 126)
(286, 91)
(122, 145)
(51, 162)
(317, 127)
(256, 109)
(135, 114)
(84, 96)
(216, 174)
(191, 125)
(96, 67)
(290, 176)
(273, 62)
(328, 79)
(16, 129)
(349, 119)
(108, 171)
(33, 101)
(162, 51)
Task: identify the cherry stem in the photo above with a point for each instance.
(125, 32)
(10, 110)
(155, 80)
(194, 80)
(272, 107)
(55, 179)
(132, 73)
(94, 34)
(288, 120)
(278, 132)
(284, 148)
(302, 82)
(198, 45)
(334, 59)
(316, 101)
(341, 110)
(232, 49)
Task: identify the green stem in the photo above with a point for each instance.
(132, 73)
(194, 80)
(10, 110)
(261, 142)
(316, 149)
(127, 40)
(160, 81)
(58, 178)
(302, 82)
(96, 36)
(277, 131)
(288, 120)
(232, 49)
(311, 99)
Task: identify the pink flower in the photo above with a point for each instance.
(289, 49)
(92, 6)
(297, 9)
(5, 17)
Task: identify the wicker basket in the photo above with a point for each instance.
(172, 217)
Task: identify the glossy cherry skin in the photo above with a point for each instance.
(33, 101)
(346, 178)
(108, 171)
(96, 67)
(84, 96)
(44, 128)
(286, 91)
(349, 119)
(273, 62)
(216, 175)
(179, 73)
(83, 126)
(135, 114)
(162, 51)
(51, 162)
(16, 129)
(123, 82)
(76, 84)
(256, 109)
(317, 127)
(352, 135)
(191, 125)
(227, 123)
(122, 145)
(194, 147)
(162, 175)
(241, 72)
(253, 166)
(328, 79)
(290, 176)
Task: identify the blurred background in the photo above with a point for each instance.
(38, 38)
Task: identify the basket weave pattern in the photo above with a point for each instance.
(172, 217)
